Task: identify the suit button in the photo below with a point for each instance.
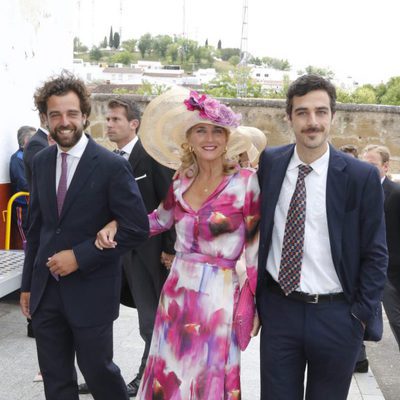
(58, 231)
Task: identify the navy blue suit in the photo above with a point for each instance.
(354, 208)
(75, 315)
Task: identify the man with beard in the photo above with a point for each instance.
(69, 288)
(322, 256)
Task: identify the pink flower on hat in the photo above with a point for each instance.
(212, 110)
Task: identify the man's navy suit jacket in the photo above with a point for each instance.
(354, 207)
(102, 189)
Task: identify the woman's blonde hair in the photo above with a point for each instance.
(189, 164)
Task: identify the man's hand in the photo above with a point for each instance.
(63, 263)
(24, 303)
(256, 325)
(105, 237)
(167, 259)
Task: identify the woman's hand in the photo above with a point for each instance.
(105, 237)
(167, 259)
(256, 325)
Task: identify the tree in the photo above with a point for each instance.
(104, 43)
(116, 40)
(95, 54)
(151, 89)
(160, 45)
(234, 60)
(219, 46)
(392, 94)
(227, 53)
(129, 45)
(225, 85)
(173, 53)
(276, 63)
(343, 96)
(364, 95)
(78, 46)
(325, 72)
(256, 61)
(145, 44)
(111, 38)
(206, 43)
(123, 57)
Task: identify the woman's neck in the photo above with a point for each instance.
(210, 170)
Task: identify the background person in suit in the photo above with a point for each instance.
(70, 288)
(318, 291)
(37, 142)
(362, 360)
(18, 180)
(380, 157)
(143, 272)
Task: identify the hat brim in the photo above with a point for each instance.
(258, 141)
(165, 122)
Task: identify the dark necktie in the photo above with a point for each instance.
(120, 152)
(62, 184)
(61, 192)
(293, 239)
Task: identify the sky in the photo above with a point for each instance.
(353, 38)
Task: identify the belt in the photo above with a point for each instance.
(274, 287)
(207, 259)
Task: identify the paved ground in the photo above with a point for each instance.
(18, 364)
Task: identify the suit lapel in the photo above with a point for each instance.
(86, 165)
(273, 183)
(51, 181)
(336, 188)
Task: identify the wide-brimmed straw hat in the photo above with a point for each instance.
(169, 116)
(258, 142)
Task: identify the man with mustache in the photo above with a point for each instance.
(322, 256)
(69, 288)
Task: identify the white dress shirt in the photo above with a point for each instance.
(318, 274)
(74, 156)
(128, 148)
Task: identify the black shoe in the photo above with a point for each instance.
(362, 366)
(83, 388)
(133, 387)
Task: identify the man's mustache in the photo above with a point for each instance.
(312, 130)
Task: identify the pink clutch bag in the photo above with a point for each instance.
(244, 316)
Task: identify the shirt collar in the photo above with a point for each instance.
(77, 150)
(319, 166)
(129, 147)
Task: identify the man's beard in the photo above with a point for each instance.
(68, 141)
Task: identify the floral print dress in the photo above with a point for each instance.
(194, 353)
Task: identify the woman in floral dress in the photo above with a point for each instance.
(214, 206)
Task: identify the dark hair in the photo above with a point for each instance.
(349, 149)
(131, 108)
(23, 132)
(61, 85)
(308, 83)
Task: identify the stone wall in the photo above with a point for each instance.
(354, 124)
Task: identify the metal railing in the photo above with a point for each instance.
(7, 216)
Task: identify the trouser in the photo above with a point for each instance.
(322, 338)
(58, 342)
(391, 303)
